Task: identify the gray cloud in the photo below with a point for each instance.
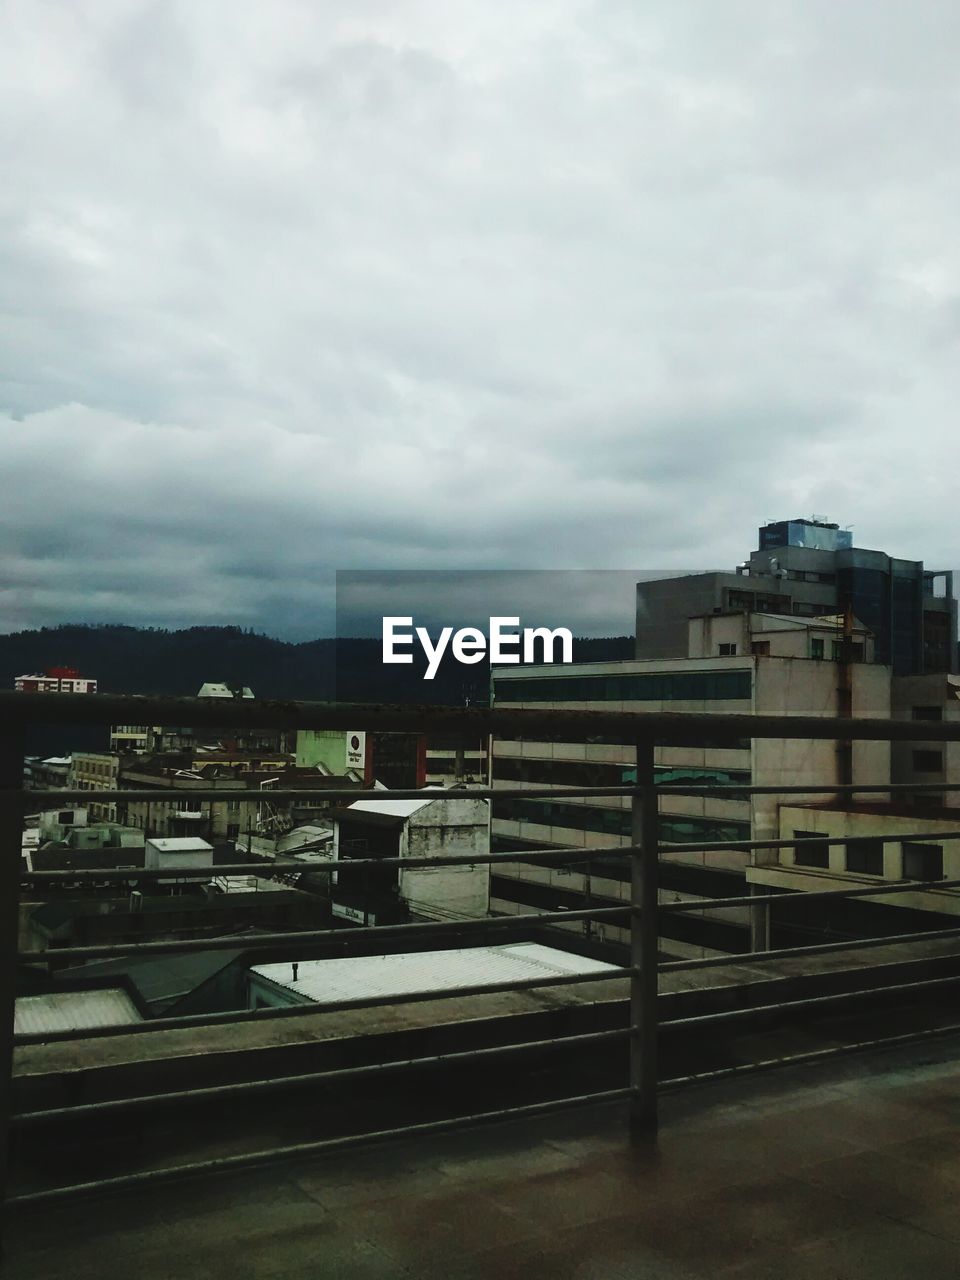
(286, 289)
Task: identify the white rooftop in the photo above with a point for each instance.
(74, 1011)
(215, 690)
(180, 844)
(396, 808)
(326, 981)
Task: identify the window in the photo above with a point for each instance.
(922, 861)
(865, 857)
(928, 713)
(65, 817)
(728, 651)
(661, 686)
(813, 855)
(928, 761)
(233, 830)
(816, 647)
(760, 647)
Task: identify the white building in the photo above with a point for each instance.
(443, 823)
(177, 853)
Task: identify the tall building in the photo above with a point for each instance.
(808, 568)
(737, 663)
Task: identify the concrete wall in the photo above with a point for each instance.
(448, 828)
(848, 825)
(940, 691)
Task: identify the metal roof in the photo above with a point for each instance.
(74, 1011)
(391, 808)
(324, 981)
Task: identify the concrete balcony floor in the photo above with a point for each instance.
(850, 1169)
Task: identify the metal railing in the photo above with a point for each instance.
(639, 914)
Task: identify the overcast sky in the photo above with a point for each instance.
(292, 287)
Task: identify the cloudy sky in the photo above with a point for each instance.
(292, 287)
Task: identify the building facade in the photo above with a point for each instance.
(766, 667)
(55, 680)
(810, 568)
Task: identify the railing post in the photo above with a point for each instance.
(644, 949)
(12, 744)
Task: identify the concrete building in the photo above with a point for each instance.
(442, 824)
(177, 853)
(96, 771)
(396, 760)
(810, 568)
(49, 773)
(55, 680)
(768, 665)
(237, 813)
(927, 698)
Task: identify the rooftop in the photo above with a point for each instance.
(328, 980)
(849, 1170)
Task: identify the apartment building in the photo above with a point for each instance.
(55, 680)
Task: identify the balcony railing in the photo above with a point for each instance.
(639, 915)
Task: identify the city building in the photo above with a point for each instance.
(443, 823)
(739, 663)
(237, 813)
(927, 698)
(55, 680)
(810, 568)
(96, 771)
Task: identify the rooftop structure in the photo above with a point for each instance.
(325, 981)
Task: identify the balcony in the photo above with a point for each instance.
(620, 1121)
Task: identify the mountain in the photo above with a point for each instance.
(154, 661)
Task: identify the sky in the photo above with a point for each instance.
(293, 288)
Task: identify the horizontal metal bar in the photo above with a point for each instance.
(311, 937)
(249, 1160)
(267, 868)
(814, 949)
(279, 1084)
(168, 795)
(871, 891)
(667, 727)
(332, 1006)
(809, 1056)
(328, 867)
(807, 1002)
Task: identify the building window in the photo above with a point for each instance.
(813, 855)
(760, 647)
(928, 761)
(865, 857)
(728, 651)
(922, 861)
(928, 713)
(816, 647)
(665, 686)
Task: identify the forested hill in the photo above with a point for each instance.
(150, 660)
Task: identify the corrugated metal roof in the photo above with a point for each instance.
(324, 981)
(74, 1011)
